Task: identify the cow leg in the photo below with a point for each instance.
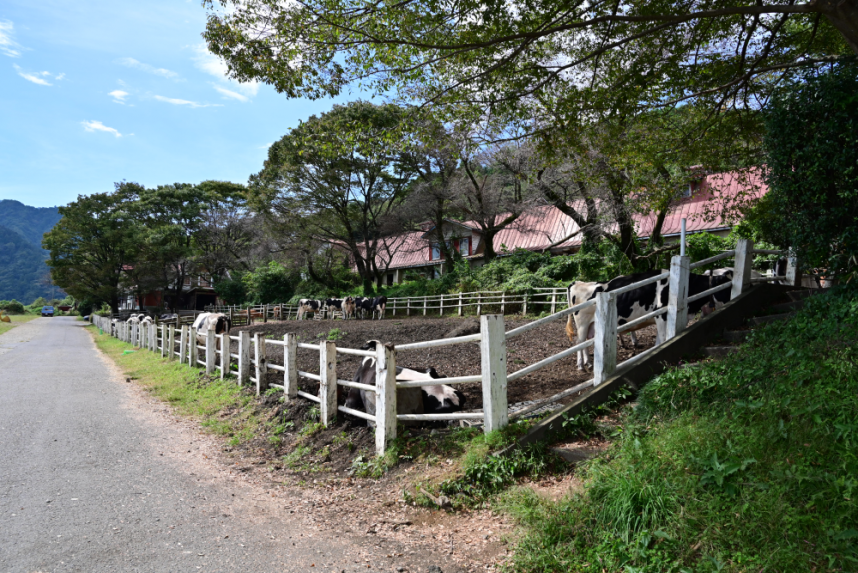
(634, 338)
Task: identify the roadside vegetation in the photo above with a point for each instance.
(747, 464)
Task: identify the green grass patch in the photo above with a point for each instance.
(189, 390)
(747, 464)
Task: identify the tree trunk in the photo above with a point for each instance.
(843, 15)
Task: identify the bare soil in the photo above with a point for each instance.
(457, 360)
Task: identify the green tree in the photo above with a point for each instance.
(812, 156)
(336, 180)
(92, 245)
(270, 284)
(542, 60)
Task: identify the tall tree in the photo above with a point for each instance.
(92, 245)
(339, 177)
(536, 59)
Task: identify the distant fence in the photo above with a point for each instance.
(483, 302)
(251, 363)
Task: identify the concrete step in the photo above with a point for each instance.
(577, 454)
(771, 318)
(804, 293)
(719, 351)
(788, 306)
(735, 335)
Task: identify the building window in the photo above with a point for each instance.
(465, 246)
(434, 252)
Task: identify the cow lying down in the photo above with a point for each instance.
(220, 323)
(423, 400)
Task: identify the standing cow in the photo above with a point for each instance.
(306, 305)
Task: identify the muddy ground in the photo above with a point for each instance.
(458, 360)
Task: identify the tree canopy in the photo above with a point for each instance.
(546, 61)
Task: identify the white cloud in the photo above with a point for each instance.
(93, 126)
(36, 77)
(230, 94)
(211, 64)
(118, 96)
(132, 63)
(188, 103)
(61, 77)
(8, 46)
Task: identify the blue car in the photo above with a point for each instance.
(47, 311)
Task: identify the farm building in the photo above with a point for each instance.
(547, 228)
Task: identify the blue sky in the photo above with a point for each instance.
(98, 91)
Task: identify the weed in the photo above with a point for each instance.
(336, 334)
(314, 413)
(292, 459)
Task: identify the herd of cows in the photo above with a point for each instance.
(580, 326)
(350, 307)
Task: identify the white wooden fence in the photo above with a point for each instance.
(494, 302)
(253, 364)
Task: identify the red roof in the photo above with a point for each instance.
(543, 226)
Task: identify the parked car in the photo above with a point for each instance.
(47, 311)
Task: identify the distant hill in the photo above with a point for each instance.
(22, 261)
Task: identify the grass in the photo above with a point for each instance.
(747, 464)
(189, 390)
(16, 320)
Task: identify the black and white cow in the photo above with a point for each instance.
(220, 323)
(379, 305)
(306, 305)
(435, 399)
(636, 303)
(333, 304)
(364, 305)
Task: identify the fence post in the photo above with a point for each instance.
(553, 302)
(169, 342)
(425, 299)
(249, 317)
(793, 272)
(677, 296)
(261, 365)
(605, 341)
(441, 306)
(742, 267)
(493, 367)
(211, 351)
(290, 366)
(135, 328)
(194, 354)
(183, 345)
(328, 382)
(153, 337)
(265, 314)
(224, 354)
(479, 304)
(385, 396)
(408, 307)
(460, 304)
(524, 306)
(503, 303)
(243, 357)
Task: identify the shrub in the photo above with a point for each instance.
(12, 306)
(811, 144)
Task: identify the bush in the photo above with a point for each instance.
(12, 306)
(270, 284)
(811, 144)
(232, 291)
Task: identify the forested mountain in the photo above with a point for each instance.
(23, 272)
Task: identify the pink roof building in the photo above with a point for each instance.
(545, 227)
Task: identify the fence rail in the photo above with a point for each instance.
(179, 340)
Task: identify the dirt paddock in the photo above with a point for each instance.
(457, 360)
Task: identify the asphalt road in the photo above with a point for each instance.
(83, 486)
